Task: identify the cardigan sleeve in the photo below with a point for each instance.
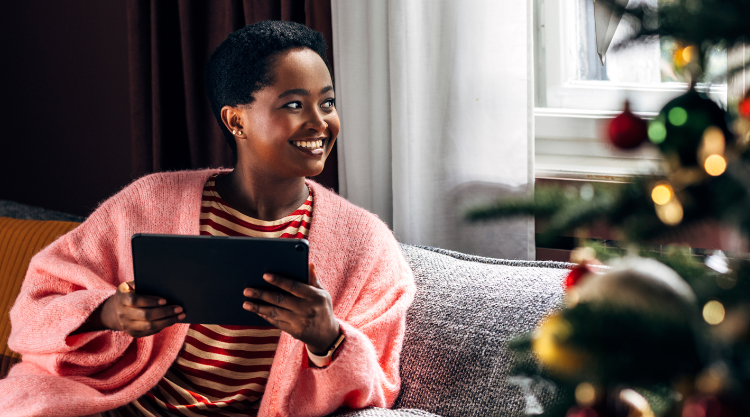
(64, 284)
(70, 278)
(365, 370)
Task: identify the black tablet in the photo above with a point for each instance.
(206, 275)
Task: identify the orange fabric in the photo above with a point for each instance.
(19, 241)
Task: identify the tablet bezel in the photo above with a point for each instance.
(206, 275)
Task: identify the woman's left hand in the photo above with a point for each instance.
(304, 311)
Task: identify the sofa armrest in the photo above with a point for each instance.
(384, 412)
(456, 360)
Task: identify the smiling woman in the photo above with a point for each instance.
(92, 344)
(288, 130)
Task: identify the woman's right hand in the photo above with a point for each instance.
(138, 315)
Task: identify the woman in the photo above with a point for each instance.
(90, 344)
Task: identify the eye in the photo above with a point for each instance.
(293, 105)
(330, 103)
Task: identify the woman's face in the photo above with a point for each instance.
(290, 128)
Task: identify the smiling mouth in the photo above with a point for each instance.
(311, 147)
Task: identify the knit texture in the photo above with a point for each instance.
(357, 259)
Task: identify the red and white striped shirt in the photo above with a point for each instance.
(222, 370)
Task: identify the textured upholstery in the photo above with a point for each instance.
(455, 360)
(19, 241)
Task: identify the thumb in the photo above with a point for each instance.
(313, 277)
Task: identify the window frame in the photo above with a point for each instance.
(570, 114)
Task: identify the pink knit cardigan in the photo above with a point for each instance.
(357, 259)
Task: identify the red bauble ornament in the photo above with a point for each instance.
(744, 108)
(576, 274)
(626, 131)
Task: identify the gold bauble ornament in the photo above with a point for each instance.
(549, 346)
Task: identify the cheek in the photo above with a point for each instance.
(269, 128)
(334, 125)
(259, 124)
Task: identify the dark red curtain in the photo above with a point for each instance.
(169, 43)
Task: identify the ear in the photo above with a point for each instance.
(232, 118)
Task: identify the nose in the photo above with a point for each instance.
(316, 121)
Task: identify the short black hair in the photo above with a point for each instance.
(243, 63)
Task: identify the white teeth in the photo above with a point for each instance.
(309, 144)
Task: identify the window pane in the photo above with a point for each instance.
(648, 62)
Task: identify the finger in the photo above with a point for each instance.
(281, 299)
(313, 276)
(141, 328)
(275, 321)
(132, 299)
(298, 289)
(151, 314)
(268, 311)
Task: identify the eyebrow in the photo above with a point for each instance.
(303, 92)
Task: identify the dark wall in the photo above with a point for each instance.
(64, 117)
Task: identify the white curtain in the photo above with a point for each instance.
(436, 104)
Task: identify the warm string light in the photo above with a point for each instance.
(683, 56)
(715, 165)
(689, 53)
(668, 208)
(713, 141)
(671, 213)
(662, 194)
(585, 394)
(711, 151)
(713, 312)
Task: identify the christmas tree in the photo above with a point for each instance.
(656, 334)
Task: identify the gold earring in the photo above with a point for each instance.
(234, 132)
(239, 133)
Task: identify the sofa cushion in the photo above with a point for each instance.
(19, 241)
(455, 360)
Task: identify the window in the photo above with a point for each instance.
(576, 95)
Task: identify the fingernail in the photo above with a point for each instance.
(162, 302)
(247, 306)
(181, 316)
(249, 292)
(177, 310)
(267, 277)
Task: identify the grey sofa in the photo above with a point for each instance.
(455, 360)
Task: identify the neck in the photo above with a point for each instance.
(261, 198)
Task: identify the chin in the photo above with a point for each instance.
(315, 172)
(310, 170)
